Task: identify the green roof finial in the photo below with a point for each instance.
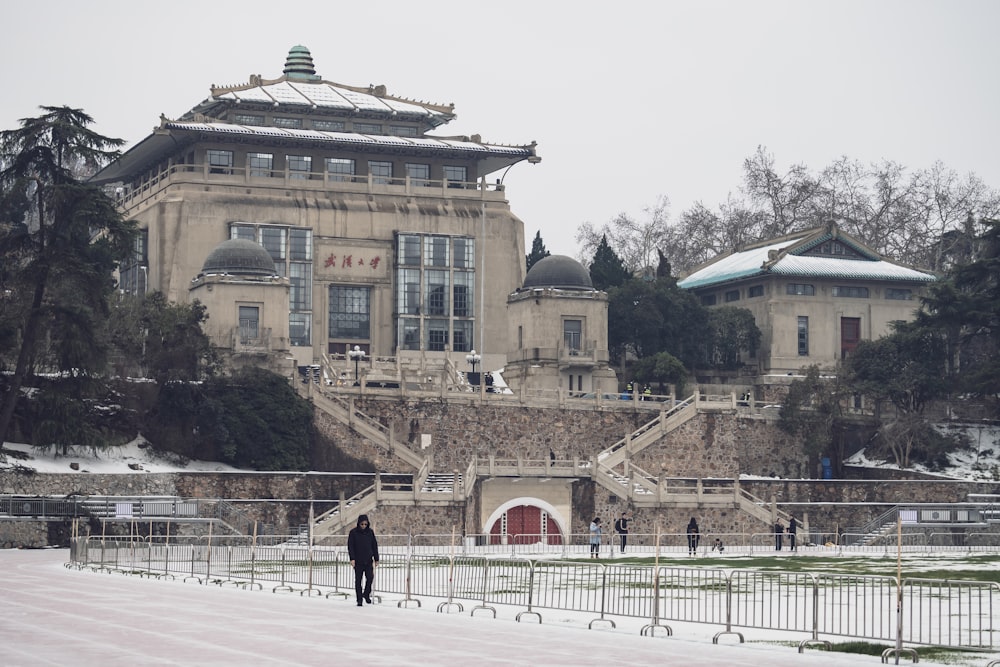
(300, 65)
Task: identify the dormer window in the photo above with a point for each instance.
(368, 128)
(294, 123)
(328, 125)
(403, 130)
(248, 119)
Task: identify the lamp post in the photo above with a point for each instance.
(357, 354)
(473, 359)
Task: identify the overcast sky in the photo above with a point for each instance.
(628, 101)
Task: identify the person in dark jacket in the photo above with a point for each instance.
(793, 527)
(779, 530)
(621, 527)
(362, 547)
(694, 536)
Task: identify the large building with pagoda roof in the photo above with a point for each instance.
(385, 237)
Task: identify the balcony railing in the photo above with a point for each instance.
(150, 190)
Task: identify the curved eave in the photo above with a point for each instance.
(175, 135)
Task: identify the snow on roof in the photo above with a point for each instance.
(348, 137)
(324, 95)
(781, 258)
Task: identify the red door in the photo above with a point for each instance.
(524, 525)
(850, 335)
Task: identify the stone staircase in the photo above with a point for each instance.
(343, 410)
(649, 433)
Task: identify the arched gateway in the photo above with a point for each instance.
(526, 520)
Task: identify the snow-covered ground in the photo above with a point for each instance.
(979, 463)
(136, 456)
(52, 615)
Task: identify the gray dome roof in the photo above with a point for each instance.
(239, 257)
(558, 271)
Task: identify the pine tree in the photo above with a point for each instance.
(607, 269)
(538, 251)
(59, 241)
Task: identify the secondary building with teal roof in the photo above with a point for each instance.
(814, 294)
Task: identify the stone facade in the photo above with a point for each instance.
(711, 445)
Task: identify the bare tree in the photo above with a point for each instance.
(636, 242)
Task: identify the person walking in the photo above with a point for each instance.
(621, 527)
(793, 526)
(693, 536)
(778, 530)
(362, 547)
(595, 537)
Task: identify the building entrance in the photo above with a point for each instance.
(525, 524)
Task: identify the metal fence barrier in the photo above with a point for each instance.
(952, 614)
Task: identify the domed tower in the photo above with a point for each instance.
(559, 331)
(247, 304)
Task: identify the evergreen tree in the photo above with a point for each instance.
(59, 239)
(965, 309)
(538, 251)
(607, 269)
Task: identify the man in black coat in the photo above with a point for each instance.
(621, 527)
(362, 547)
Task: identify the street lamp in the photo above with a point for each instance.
(357, 354)
(473, 359)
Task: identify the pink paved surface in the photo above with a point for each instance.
(51, 615)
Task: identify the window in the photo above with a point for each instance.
(340, 169)
(456, 176)
(851, 291)
(299, 166)
(403, 130)
(328, 125)
(293, 123)
(756, 290)
(463, 290)
(732, 295)
(708, 300)
(898, 294)
(462, 338)
(437, 335)
(572, 335)
(291, 250)
(381, 172)
(464, 252)
(273, 239)
(249, 324)
(248, 119)
(245, 232)
(435, 251)
(220, 162)
(260, 164)
(409, 250)
(368, 128)
(300, 244)
(436, 293)
(803, 336)
(799, 289)
(300, 294)
(409, 334)
(419, 173)
(350, 312)
(408, 292)
(299, 325)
